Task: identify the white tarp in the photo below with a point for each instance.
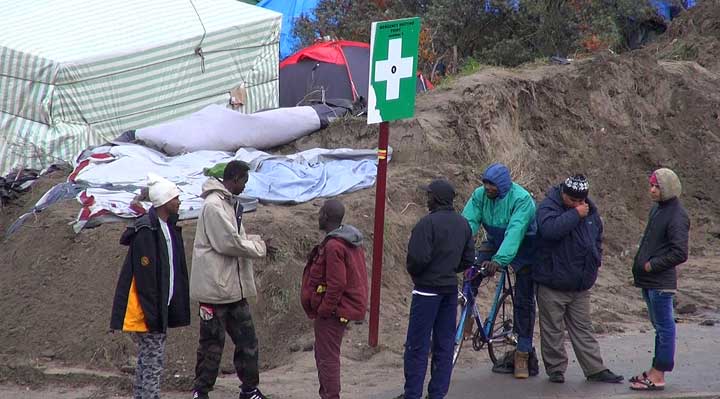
(113, 175)
(221, 129)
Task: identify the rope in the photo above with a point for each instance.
(198, 49)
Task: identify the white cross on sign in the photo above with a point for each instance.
(393, 69)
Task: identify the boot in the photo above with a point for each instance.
(521, 364)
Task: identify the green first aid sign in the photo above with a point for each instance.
(393, 63)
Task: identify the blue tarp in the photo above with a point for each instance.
(669, 11)
(291, 11)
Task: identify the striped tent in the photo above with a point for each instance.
(78, 73)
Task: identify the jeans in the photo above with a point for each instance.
(660, 310)
(430, 316)
(524, 309)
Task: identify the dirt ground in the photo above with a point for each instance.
(614, 118)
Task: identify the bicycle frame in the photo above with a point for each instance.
(469, 294)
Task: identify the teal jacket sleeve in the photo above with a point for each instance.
(473, 210)
(522, 214)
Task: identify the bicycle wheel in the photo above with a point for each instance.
(502, 338)
(463, 329)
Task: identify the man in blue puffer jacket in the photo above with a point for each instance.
(568, 257)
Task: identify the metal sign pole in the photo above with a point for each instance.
(378, 234)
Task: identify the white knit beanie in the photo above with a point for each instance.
(161, 190)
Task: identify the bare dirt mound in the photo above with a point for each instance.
(694, 36)
(613, 118)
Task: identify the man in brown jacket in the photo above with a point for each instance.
(334, 291)
(222, 279)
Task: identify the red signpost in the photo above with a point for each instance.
(378, 234)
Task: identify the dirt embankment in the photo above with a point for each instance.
(693, 36)
(613, 118)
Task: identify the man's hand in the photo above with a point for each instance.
(647, 267)
(271, 250)
(583, 209)
(490, 267)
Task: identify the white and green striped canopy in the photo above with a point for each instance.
(76, 73)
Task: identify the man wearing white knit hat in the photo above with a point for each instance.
(152, 292)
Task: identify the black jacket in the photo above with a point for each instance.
(664, 245)
(441, 245)
(569, 248)
(148, 264)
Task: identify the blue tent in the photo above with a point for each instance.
(291, 11)
(667, 10)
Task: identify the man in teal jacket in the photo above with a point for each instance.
(507, 213)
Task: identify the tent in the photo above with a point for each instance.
(291, 11)
(329, 70)
(78, 73)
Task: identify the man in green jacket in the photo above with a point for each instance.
(507, 213)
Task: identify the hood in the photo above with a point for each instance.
(348, 233)
(669, 182)
(148, 220)
(214, 185)
(499, 175)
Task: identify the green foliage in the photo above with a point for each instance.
(540, 28)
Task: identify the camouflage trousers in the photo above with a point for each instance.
(236, 320)
(149, 365)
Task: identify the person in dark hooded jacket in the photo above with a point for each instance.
(568, 257)
(334, 291)
(663, 247)
(441, 245)
(152, 292)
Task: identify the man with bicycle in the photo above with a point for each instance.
(506, 211)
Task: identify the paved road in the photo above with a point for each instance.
(697, 372)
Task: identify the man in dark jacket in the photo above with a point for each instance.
(152, 292)
(441, 245)
(664, 246)
(334, 291)
(569, 255)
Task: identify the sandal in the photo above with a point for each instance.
(646, 385)
(639, 378)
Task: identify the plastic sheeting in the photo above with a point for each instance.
(114, 175)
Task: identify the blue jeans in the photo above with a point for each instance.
(660, 309)
(430, 316)
(524, 309)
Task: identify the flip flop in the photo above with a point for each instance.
(639, 378)
(646, 385)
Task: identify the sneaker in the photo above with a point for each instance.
(200, 395)
(556, 377)
(254, 394)
(605, 376)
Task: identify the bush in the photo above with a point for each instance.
(498, 34)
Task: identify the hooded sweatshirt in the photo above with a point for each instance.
(222, 270)
(508, 220)
(334, 282)
(665, 241)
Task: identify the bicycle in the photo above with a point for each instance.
(497, 330)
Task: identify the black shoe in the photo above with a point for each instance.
(199, 395)
(605, 376)
(557, 377)
(254, 394)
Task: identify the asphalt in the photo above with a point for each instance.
(696, 374)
